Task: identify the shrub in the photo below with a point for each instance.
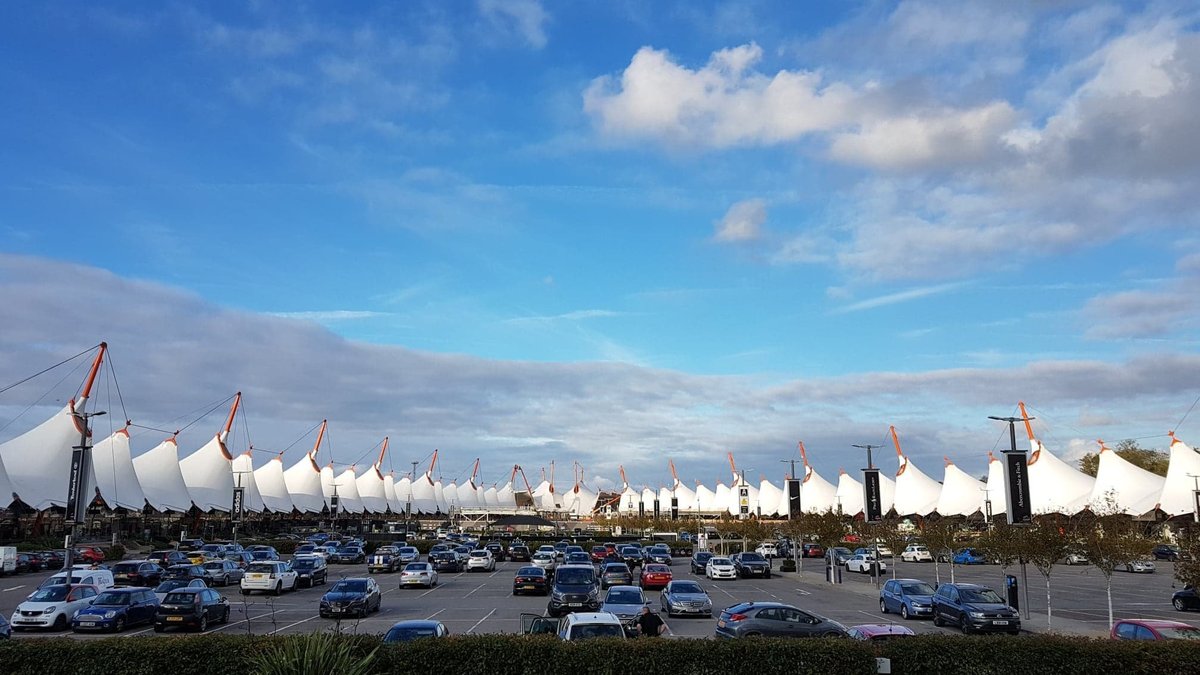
(315, 654)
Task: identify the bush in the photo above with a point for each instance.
(114, 552)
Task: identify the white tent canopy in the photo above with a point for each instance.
(769, 498)
(243, 468)
(116, 479)
(162, 483)
(372, 491)
(997, 492)
(960, 492)
(303, 481)
(1177, 493)
(817, 495)
(208, 473)
(915, 492)
(272, 487)
(349, 500)
(389, 493)
(706, 499)
(39, 461)
(849, 494)
(1135, 489)
(1054, 485)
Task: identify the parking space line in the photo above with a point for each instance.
(290, 625)
(472, 628)
(13, 588)
(435, 613)
(475, 589)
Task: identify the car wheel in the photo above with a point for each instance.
(203, 623)
(904, 612)
(60, 622)
(158, 628)
(245, 592)
(1178, 602)
(119, 625)
(278, 588)
(962, 625)
(883, 607)
(937, 619)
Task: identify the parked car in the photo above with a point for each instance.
(384, 559)
(1165, 552)
(52, 560)
(840, 554)
(497, 550)
(812, 551)
(136, 573)
(161, 590)
(408, 554)
(263, 552)
(186, 572)
(353, 597)
(1140, 567)
(589, 625)
(532, 579)
(916, 553)
(446, 561)
(655, 575)
(115, 609)
(190, 544)
(972, 607)
(624, 602)
(419, 574)
(864, 564)
(52, 606)
(222, 572)
(969, 556)
(348, 555)
(751, 565)
(599, 553)
(310, 570)
(774, 619)
(767, 550)
(574, 588)
(699, 561)
(100, 578)
(415, 629)
(659, 553)
(1075, 559)
(879, 632)
(519, 553)
(481, 559)
(907, 597)
(632, 556)
(89, 554)
(546, 561)
(191, 608)
(720, 568)
(166, 559)
(1153, 629)
(240, 558)
(684, 596)
(615, 574)
(270, 577)
(577, 558)
(1186, 599)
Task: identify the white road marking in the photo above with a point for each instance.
(13, 588)
(472, 628)
(801, 591)
(290, 625)
(475, 589)
(435, 613)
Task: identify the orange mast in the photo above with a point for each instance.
(1025, 418)
(224, 433)
(899, 454)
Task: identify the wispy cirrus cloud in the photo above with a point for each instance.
(898, 297)
(742, 222)
(330, 315)
(576, 315)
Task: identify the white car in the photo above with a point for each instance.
(884, 551)
(862, 562)
(418, 574)
(1076, 559)
(1141, 566)
(545, 560)
(481, 559)
(269, 577)
(720, 568)
(52, 606)
(767, 550)
(586, 625)
(916, 553)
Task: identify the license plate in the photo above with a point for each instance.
(528, 587)
(336, 609)
(575, 604)
(174, 618)
(1000, 623)
(88, 624)
(254, 575)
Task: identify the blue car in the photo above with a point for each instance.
(969, 556)
(907, 597)
(117, 608)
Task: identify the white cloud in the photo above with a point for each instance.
(935, 139)
(326, 316)
(524, 18)
(576, 315)
(898, 297)
(742, 222)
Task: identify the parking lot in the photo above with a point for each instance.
(482, 602)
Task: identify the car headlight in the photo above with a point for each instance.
(976, 615)
(49, 609)
(108, 615)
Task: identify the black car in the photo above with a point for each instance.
(353, 597)
(263, 552)
(137, 573)
(349, 555)
(185, 572)
(660, 554)
(1166, 552)
(1186, 599)
(632, 556)
(519, 553)
(191, 608)
(190, 544)
(751, 564)
(700, 561)
(615, 574)
(310, 570)
(497, 550)
(531, 580)
(575, 589)
(166, 559)
(446, 561)
(972, 607)
(384, 559)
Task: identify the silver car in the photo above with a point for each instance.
(418, 574)
(222, 572)
(1140, 566)
(546, 560)
(626, 602)
(685, 597)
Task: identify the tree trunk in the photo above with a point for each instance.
(1049, 610)
(1108, 592)
(952, 570)
(937, 573)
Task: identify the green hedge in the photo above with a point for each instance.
(505, 654)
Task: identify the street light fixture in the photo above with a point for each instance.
(81, 466)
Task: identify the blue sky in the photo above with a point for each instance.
(906, 201)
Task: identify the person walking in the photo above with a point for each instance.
(649, 624)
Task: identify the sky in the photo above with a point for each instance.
(606, 233)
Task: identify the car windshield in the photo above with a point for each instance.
(126, 567)
(180, 598)
(917, 589)
(261, 568)
(985, 595)
(406, 634)
(752, 557)
(686, 587)
(407, 549)
(51, 594)
(541, 556)
(349, 586)
(573, 576)
(1179, 633)
(416, 567)
(168, 586)
(303, 563)
(530, 572)
(596, 631)
(348, 549)
(624, 597)
(260, 554)
(720, 561)
(111, 599)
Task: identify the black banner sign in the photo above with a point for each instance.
(333, 504)
(656, 509)
(872, 500)
(235, 511)
(641, 509)
(793, 492)
(1016, 481)
(674, 508)
(74, 511)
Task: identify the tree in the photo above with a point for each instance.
(939, 535)
(886, 532)
(1151, 460)
(1044, 544)
(826, 529)
(1187, 567)
(1109, 538)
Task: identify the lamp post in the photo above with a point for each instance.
(238, 506)
(408, 502)
(987, 506)
(1016, 483)
(798, 546)
(1195, 497)
(77, 501)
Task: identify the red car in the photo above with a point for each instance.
(1151, 629)
(89, 554)
(813, 551)
(656, 576)
(599, 553)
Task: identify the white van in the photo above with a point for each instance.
(8, 560)
(100, 578)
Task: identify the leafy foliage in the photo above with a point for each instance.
(313, 654)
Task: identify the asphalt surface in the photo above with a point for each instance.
(482, 602)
